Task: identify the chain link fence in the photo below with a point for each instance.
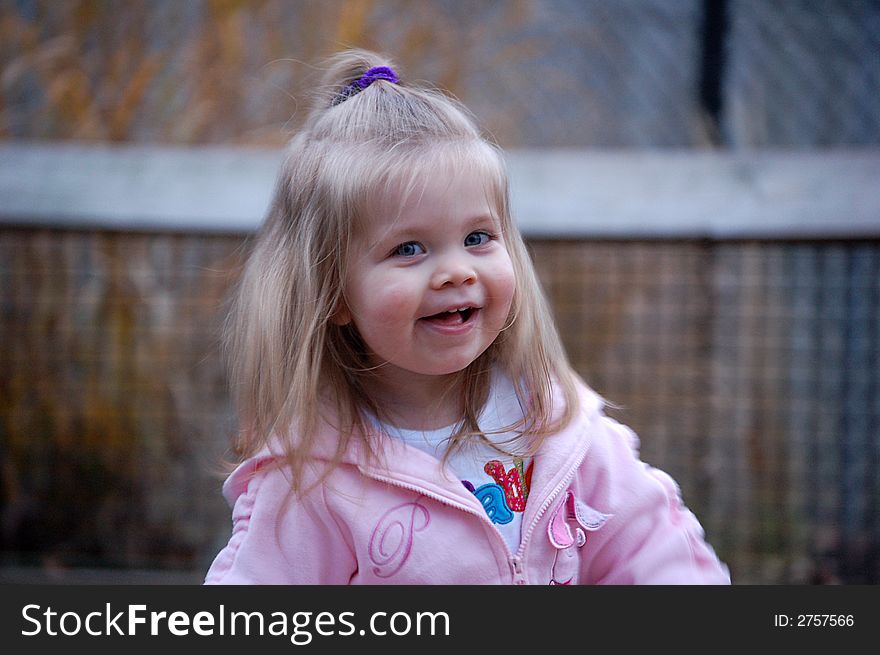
(538, 73)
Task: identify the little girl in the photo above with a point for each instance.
(408, 413)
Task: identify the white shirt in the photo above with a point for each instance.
(499, 481)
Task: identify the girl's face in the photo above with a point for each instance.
(430, 284)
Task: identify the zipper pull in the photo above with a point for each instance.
(518, 577)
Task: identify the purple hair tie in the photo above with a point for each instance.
(365, 80)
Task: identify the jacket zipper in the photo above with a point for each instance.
(517, 559)
(517, 565)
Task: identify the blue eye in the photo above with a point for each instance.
(409, 249)
(476, 239)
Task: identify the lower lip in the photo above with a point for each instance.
(452, 329)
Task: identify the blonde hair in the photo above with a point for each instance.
(291, 365)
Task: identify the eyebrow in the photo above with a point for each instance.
(401, 235)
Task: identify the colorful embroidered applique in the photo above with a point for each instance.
(564, 569)
(584, 517)
(525, 476)
(571, 512)
(511, 482)
(491, 496)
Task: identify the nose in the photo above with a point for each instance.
(453, 271)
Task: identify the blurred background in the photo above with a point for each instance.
(697, 181)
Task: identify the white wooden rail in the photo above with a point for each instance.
(555, 193)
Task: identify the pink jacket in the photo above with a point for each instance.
(595, 515)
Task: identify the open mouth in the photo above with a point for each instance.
(453, 316)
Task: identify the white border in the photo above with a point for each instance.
(555, 193)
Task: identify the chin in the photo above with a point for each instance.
(439, 370)
(453, 365)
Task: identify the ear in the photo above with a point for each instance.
(342, 316)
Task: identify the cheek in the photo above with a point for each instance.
(392, 304)
(503, 283)
(383, 300)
